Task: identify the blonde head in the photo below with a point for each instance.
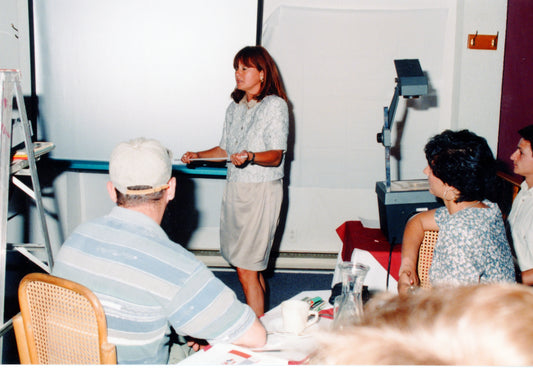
(490, 324)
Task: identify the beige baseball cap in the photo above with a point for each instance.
(140, 162)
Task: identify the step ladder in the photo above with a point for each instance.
(40, 254)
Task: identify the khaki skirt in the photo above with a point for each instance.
(248, 221)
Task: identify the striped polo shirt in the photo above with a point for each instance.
(147, 283)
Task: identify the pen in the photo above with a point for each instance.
(317, 305)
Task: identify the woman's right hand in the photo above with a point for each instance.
(187, 156)
(413, 235)
(407, 280)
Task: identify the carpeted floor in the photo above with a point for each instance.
(281, 284)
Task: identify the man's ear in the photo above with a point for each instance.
(111, 191)
(171, 191)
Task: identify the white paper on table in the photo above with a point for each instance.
(229, 354)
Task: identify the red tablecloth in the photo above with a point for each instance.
(354, 235)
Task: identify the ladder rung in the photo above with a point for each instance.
(23, 172)
(18, 165)
(6, 327)
(13, 246)
(26, 189)
(37, 256)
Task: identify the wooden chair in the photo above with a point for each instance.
(60, 322)
(513, 180)
(425, 256)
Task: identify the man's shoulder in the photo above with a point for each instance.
(524, 198)
(90, 226)
(525, 191)
(110, 232)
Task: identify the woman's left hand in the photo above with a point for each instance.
(239, 159)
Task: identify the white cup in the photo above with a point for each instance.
(295, 314)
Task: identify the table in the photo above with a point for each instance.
(280, 349)
(369, 246)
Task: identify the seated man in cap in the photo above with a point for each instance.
(145, 282)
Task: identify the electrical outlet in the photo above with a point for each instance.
(292, 236)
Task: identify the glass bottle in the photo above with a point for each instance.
(348, 309)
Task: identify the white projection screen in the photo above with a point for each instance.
(111, 70)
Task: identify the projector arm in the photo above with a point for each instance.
(385, 136)
(388, 116)
(411, 82)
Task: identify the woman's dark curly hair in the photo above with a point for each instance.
(463, 160)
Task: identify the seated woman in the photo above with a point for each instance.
(472, 245)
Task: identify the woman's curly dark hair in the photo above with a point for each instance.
(463, 160)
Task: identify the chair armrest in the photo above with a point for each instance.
(109, 353)
(20, 336)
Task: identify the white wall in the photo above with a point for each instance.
(465, 83)
(14, 44)
(479, 72)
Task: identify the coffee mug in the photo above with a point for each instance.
(295, 314)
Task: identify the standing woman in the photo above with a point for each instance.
(255, 139)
